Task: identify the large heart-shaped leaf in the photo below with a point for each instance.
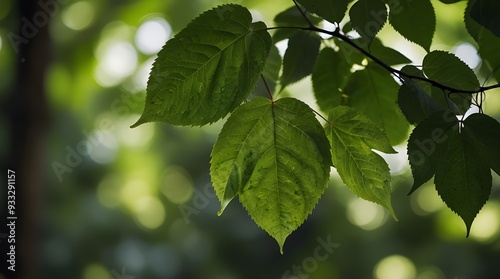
(208, 69)
(275, 156)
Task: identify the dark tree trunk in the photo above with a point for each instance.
(28, 121)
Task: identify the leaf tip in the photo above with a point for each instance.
(281, 243)
(223, 205)
(388, 205)
(280, 239)
(391, 211)
(138, 123)
(468, 226)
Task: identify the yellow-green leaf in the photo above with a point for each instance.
(352, 137)
(208, 69)
(275, 157)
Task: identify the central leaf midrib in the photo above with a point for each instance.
(244, 142)
(221, 50)
(290, 171)
(467, 197)
(218, 54)
(275, 140)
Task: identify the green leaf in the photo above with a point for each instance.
(463, 179)
(458, 158)
(415, 104)
(373, 92)
(368, 17)
(485, 12)
(352, 137)
(208, 69)
(300, 57)
(484, 131)
(449, 70)
(275, 156)
(389, 55)
(424, 144)
(487, 42)
(333, 11)
(414, 20)
(329, 77)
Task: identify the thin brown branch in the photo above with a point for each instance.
(337, 34)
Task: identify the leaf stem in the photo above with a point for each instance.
(319, 114)
(267, 87)
(303, 14)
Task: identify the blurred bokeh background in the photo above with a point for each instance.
(98, 200)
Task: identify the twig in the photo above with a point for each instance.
(398, 73)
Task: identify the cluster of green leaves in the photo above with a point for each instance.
(276, 156)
